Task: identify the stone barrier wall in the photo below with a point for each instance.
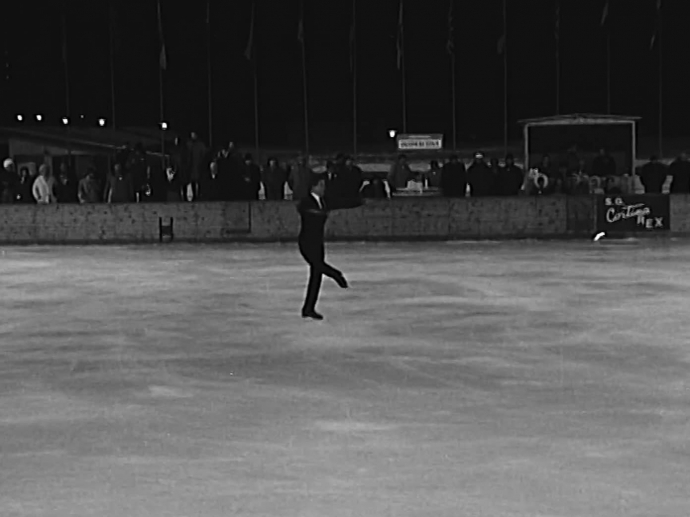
(268, 221)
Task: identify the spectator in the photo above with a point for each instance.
(611, 186)
(454, 178)
(174, 187)
(352, 179)
(7, 189)
(119, 187)
(509, 178)
(8, 177)
(653, 176)
(274, 178)
(138, 167)
(230, 166)
(680, 174)
(604, 165)
(399, 174)
(557, 183)
(66, 190)
(250, 176)
(573, 158)
(433, 175)
(89, 190)
(179, 157)
(298, 179)
(480, 177)
(122, 154)
(495, 167)
(42, 189)
(546, 167)
(213, 186)
(23, 191)
(197, 160)
(375, 189)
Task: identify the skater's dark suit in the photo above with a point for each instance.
(314, 214)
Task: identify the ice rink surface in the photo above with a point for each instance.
(460, 379)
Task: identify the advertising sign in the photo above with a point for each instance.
(420, 142)
(633, 213)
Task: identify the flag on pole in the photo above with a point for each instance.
(163, 56)
(249, 50)
(656, 26)
(605, 13)
(399, 42)
(450, 44)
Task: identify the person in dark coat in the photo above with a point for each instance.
(118, 187)
(604, 165)
(433, 176)
(173, 187)
(299, 178)
(314, 214)
(213, 186)
(653, 176)
(352, 179)
(250, 179)
(480, 177)
(680, 172)
(510, 178)
(274, 179)
(66, 190)
(495, 167)
(197, 153)
(454, 178)
(179, 157)
(23, 191)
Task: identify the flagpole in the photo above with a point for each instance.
(450, 48)
(64, 62)
(250, 55)
(162, 113)
(661, 82)
(210, 74)
(67, 90)
(354, 77)
(162, 63)
(402, 65)
(111, 22)
(256, 112)
(452, 85)
(304, 78)
(608, 73)
(558, 57)
(505, 78)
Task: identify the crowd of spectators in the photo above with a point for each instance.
(192, 172)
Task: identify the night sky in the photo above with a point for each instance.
(34, 81)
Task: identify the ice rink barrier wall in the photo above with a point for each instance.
(266, 221)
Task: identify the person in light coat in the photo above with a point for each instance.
(43, 189)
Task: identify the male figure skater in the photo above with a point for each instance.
(314, 213)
